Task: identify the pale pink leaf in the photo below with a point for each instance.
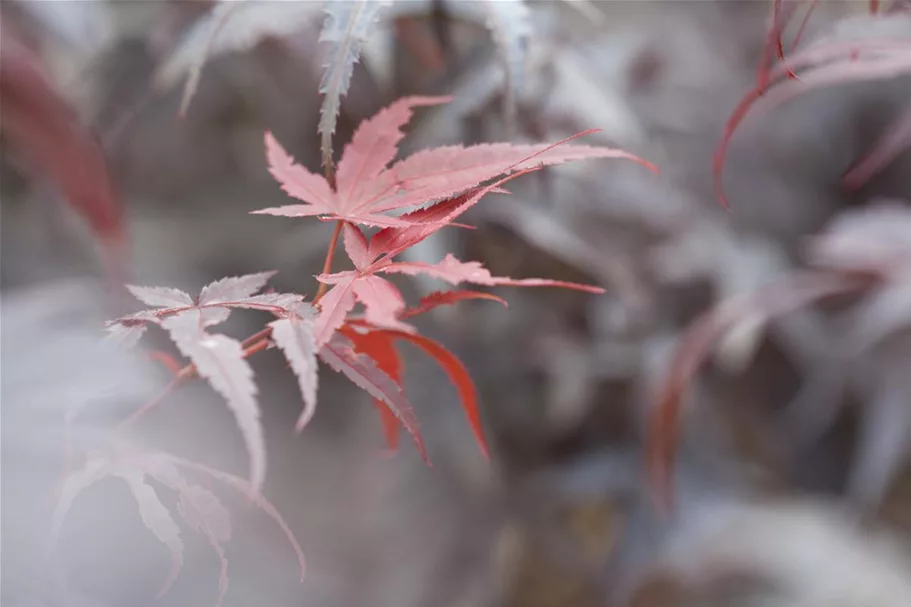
(334, 307)
(298, 181)
(356, 246)
(347, 27)
(295, 336)
(446, 171)
(161, 297)
(455, 272)
(234, 288)
(382, 300)
(339, 354)
(156, 518)
(220, 360)
(374, 145)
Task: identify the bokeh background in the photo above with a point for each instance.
(792, 479)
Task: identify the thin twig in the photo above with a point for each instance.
(330, 255)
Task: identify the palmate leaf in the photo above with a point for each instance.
(340, 354)
(365, 190)
(221, 359)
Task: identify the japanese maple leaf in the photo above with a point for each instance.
(220, 359)
(383, 302)
(366, 188)
(379, 344)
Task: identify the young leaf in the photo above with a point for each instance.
(348, 25)
(459, 377)
(294, 335)
(156, 518)
(220, 360)
(339, 354)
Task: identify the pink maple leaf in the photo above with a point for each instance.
(382, 300)
(366, 188)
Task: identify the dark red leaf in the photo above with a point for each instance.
(445, 298)
(378, 345)
(459, 377)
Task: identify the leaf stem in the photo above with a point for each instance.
(330, 255)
